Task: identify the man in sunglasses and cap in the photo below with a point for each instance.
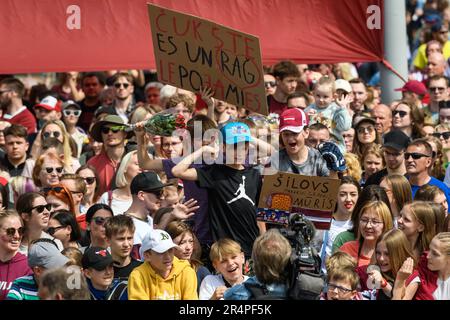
(395, 143)
(418, 160)
(111, 132)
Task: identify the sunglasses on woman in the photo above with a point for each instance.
(89, 180)
(52, 230)
(100, 220)
(76, 113)
(11, 232)
(42, 207)
(50, 169)
(48, 134)
(400, 113)
(445, 135)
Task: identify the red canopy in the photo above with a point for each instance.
(53, 35)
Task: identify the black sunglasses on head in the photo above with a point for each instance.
(42, 207)
(11, 232)
(56, 189)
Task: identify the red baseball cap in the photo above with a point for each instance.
(49, 103)
(414, 86)
(294, 120)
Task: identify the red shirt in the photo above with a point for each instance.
(428, 280)
(106, 171)
(352, 247)
(276, 106)
(81, 220)
(24, 118)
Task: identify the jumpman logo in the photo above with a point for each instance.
(240, 193)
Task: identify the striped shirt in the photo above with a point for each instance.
(23, 288)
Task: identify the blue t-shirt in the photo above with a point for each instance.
(437, 183)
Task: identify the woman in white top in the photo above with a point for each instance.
(120, 198)
(348, 194)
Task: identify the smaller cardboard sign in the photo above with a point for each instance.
(286, 193)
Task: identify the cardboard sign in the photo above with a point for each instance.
(286, 193)
(191, 52)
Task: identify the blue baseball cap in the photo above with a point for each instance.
(236, 132)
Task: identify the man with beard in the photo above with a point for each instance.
(286, 74)
(92, 85)
(418, 161)
(110, 132)
(124, 102)
(11, 93)
(395, 143)
(358, 106)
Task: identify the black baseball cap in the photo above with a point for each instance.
(147, 182)
(396, 139)
(97, 258)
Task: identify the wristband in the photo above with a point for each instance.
(384, 283)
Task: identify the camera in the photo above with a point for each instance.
(306, 278)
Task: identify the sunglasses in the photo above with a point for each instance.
(433, 89)
(400, 113)
(76, 113)
(56, 189)
(42, 207)
(118, 85)
(55, 134)
(52, 230)
(50, 169)
(366, 129)
(11, 232)
(415, 155)
(269, 84)
(106, 130)
(100, 220)
(445, 135)
(89, 180)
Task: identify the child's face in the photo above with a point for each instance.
(236, 153)
(230, 266)
(442, 200)
(340, 290)
(382, 255)
(323, 96)
(122, 243)
(101, 280)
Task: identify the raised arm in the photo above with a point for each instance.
(145, 162)
(182, 170)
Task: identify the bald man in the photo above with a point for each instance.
(436, 64)
(383, 118)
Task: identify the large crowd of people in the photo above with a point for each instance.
(88, 191)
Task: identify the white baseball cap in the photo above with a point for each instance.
(342, 84)
(157, 240)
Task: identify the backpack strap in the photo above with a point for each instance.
(110, 195)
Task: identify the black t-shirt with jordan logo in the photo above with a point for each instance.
(232, 201)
